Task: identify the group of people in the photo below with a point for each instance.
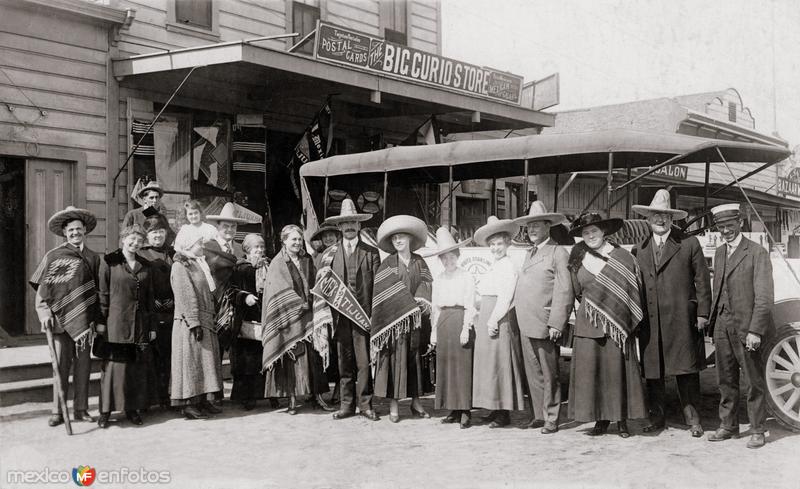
(161, 318)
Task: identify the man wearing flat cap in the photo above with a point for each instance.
(677, 292)
(543, 300)
(67, 304)
(741, 314)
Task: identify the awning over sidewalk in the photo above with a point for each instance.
(244, 75)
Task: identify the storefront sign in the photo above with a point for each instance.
(353, 48)
(788, 186)
(676, 172)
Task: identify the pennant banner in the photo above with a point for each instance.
(313, 145)
(334, 291)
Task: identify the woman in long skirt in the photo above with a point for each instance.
(128, 380)
(196, 375)
(498, 379)
(452, 316)
(401, 295)
(250, 275)
(605, 379)
(292, 367)
(160, 255)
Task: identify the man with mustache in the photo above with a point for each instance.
(355, 263)
(677, 290)
(740, 316)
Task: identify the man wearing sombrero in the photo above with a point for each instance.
(355, 262)
(741, 315)
(543, 300)
(221, 254)
(677, 290)
(67, 304)
(150, 196)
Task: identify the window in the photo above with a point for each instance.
(196, 13)
(304, 20)
(194, 17)
(393, 19)
(731, 111)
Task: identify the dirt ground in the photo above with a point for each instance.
(269, 448)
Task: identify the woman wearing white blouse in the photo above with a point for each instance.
(498, 368)
(452, 316)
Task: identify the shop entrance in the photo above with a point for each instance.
(12, 237)
(470, 214)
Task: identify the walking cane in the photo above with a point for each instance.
(62, 396)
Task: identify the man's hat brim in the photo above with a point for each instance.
(349, 218)
(552, 217)
(56, 223)
(646, 210)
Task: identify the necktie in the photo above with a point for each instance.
(534, 250)
(349, 249)
(228, 248)
(659, 249)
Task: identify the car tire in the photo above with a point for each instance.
(781, 357)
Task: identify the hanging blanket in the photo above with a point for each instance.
(613, 300)
(283, 313)
(395, 309)
(66, 282)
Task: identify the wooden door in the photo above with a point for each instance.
(470, 214)
(48, 189)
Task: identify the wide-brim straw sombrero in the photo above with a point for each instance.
(445, 243)
(660, 205)
(228, 214)
(349, 213)
(151, 185)
(538, 212)
(410, 225)
(609, 226)
(56, 223)
(493, 226)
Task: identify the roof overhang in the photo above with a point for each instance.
(271, 70)
(735, 194)
(700, 119)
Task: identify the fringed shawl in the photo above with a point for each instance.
(396, 309)
(66, 282)
(323, 316)
(613, 299)
(285, 302)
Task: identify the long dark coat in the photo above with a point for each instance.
(126, 299)
(676, 291)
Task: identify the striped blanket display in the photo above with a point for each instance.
(143, 163)
(613, 300)
(249, 175)
(395, 309)
(283, 316)
(67, 285)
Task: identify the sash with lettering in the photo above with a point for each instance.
(66, 282)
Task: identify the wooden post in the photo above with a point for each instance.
(62, 396)
(450, 197)
(610, 183)
(385, 191)
(493, 206)
(555, 194)
(706, 220)
(525, 188)
(627, 193)
(325, 200)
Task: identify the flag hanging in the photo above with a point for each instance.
(313, 145)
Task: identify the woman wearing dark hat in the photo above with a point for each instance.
(250, 275)
(326, 236)
(605, 380)
(401, 295)
(160, 255)
(498, 367)
(452, 316)
(126, 304)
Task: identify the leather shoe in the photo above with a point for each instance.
(134, 418)
(394, 418)
(342, 414)
(723, 434)
(321, 404)
(533, 423)
(653, 427)
(696, 430)
(248, 405)
(371, 415)
(210, 408)
(465, 420)
(501, 420)
(55, 420)
(599, 428)
(757, 440)
(102, 421)
(549, 428)
(82, 415)
(450, 418)
(192, 412)
(622, 429)
(421, 413)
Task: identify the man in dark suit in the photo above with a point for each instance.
(677, 289)
(740, 316)
(355, 263)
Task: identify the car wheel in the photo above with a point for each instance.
(782, 374)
